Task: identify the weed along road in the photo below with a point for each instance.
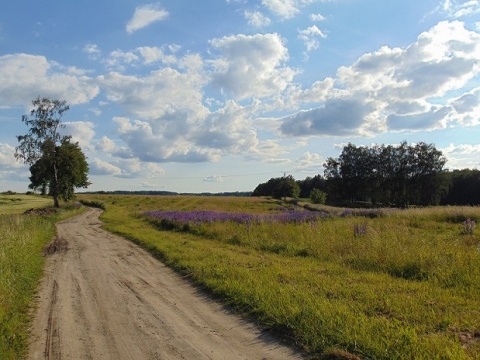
(103, 297)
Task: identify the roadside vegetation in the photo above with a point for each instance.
(13, 203)
(376, 284)
(22, 240)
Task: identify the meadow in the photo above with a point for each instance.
(369, 284)
(18, 203)
(22, 240)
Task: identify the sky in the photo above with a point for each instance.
(222, 95)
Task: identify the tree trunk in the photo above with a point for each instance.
(56, 203)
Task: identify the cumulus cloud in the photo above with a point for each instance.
(7, 158)
(160, 92)
(397, 88)
(468, 102)
(146, 15)
(101, 167)
(336, 117)
(317, 17)
(310, 37)
(423, 120)
(40, 76)
(285, 9)
(105, 144)
(180, 138)
(155, 54)
(81, 132)
(308, 162)
(256, 18)
(460, 8)
(92, 50)
(125, 168)
(251, 66)
(462, 156)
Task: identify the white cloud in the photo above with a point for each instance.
(81, 132)
(286, 9)
(92, 50)
(105, 144)
(251, 66)
(7, 158)
(146, 15)
(256, 18)
(39, 76)
(178, 137)
(213, 179)
(460, 8)
(467, 108)
(338, 117)
(160, 92)
(317, 17)
(126, 168)
(100, 167)
(462, 156)
(414, 88)
(156, 54)
(118, 59)
(308, 162)
(310, 36)
(283, 8)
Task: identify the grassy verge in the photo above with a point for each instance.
(399, 285)
(22, 239)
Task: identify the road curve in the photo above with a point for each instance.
(103, 297)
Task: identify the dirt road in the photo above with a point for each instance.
(105, 298)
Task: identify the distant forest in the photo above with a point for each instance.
(168, 193)
(382, 175)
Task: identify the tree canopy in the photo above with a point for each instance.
(57, 165)
(278, 188)
(401, 175)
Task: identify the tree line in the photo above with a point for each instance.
(384, 175)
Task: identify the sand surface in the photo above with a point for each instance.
(103, 297)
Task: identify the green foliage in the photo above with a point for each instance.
(402, 175)
(317, 196)
(464, 187)
(286, 187)
(279, 188)
(57, 166)
(408, 287)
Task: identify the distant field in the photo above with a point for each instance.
(373, 284)
(18, 203)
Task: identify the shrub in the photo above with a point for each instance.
(317, 196)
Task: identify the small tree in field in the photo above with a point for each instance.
(57, 165)
(317, 196)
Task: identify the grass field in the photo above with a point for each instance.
(22, 239)
(388, 285)
(18, 203)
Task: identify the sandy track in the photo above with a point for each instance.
(103, 297)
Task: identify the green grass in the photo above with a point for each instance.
(22, 239)
(18, 203)
(406, 288)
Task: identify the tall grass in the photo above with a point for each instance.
(407, 286)
(22, 239)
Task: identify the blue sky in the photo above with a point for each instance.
(221, 95)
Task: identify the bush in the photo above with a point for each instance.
(317, 196)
